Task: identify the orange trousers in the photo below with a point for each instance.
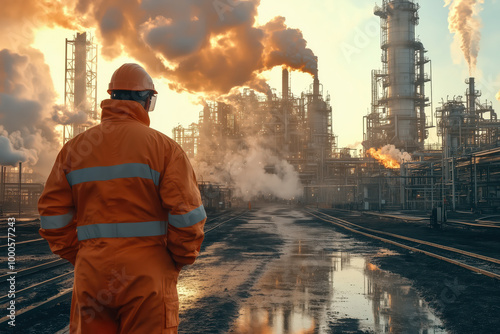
(122, 287)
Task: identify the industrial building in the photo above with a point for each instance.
(461, 172)
(398, 111)
(295, 128)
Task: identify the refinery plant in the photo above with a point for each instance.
(397, 168)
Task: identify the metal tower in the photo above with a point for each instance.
(398, 90)
(80, 91)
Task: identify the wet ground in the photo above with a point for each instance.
(278, 271)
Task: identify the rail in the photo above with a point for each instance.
(359, 230)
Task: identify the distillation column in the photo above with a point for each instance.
(401, 99)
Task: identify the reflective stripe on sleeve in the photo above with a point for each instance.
(188, 219)
(122, 230)
(113, 172)
(50, 222)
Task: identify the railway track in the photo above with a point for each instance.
(471, 261)
(224, 220)
(24, 242)
(64, 295)
(36, 269)
(478, 223)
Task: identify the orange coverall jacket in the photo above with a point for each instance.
(122, 204)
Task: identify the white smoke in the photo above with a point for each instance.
(465, 23)
(498, 96)
(8, 155)
(61, 115)
(245, 171)
(26, 97)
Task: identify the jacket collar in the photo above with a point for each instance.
(124, 110)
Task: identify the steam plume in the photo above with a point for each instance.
(26, 94)
(8, 155)
(465, 23)
(498, 96)
(61, 115)
(244, 170)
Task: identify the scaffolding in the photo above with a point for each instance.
(80, 90)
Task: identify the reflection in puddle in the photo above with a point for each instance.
(315, 290)
(274, 320)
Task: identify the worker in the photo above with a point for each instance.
(123, 206)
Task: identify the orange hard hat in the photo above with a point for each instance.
(131, 77)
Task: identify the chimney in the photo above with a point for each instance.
(80, 80)
(472, 96)
(285, 89)
(316, 85)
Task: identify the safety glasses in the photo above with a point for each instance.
(152, 104)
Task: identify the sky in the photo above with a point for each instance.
(344, 35)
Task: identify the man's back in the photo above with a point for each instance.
(105, 209)
(116, 171)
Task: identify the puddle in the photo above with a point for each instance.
(314, 288)
(287, 274)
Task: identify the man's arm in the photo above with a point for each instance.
(180, 195)
(57, 218)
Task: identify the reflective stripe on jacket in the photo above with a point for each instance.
(122, 179)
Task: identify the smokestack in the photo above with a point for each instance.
(285, 89)
(472, 96)
(316, 85)
(80, 71)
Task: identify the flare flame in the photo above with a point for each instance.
(389, 156)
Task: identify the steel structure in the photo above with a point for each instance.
(19, 190)
(188, 138)
(80, 90)
(398, 90)
(295, 128)
(461, 174)
(465, 126)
